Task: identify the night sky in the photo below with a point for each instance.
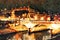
(41, 5)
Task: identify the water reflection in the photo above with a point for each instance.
(25, 36)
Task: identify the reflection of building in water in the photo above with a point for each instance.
(42, 36)
(26, 36)
(17, 36)
(33, 36)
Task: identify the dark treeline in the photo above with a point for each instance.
(40, 5)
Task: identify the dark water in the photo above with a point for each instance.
(38, 36)
(5, 36)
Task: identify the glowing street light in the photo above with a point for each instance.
(42, 18)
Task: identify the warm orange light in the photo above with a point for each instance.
(48, 19)
(55, 17)
(35, 17)
(23, 15)
(42, 18)
(13, 15)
